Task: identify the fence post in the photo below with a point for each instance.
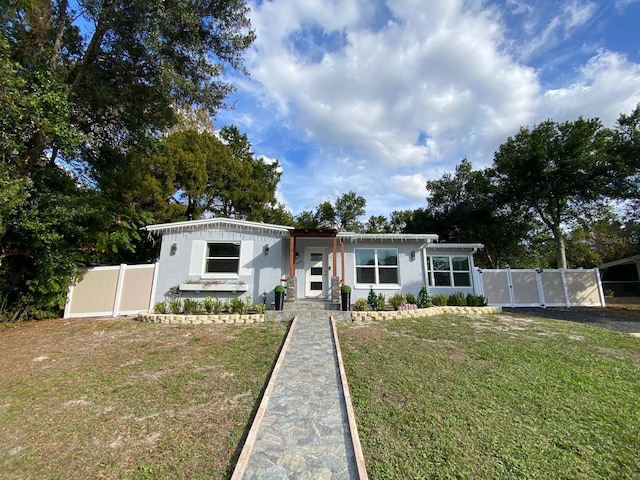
(540, 288)
(512, 296)
(603, 302)
(118, 295)
(565, 291)
(154, 284)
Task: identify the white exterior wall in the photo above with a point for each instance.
(258, 271)
(410, 274)
(476, 284)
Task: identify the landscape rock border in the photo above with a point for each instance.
(355, 316)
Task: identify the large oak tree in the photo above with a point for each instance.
(561, 172)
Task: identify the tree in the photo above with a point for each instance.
(377, 224)
(467, 207)
(626, 146)
(349, 208)
(559, 171)
(86, 88)
(129, 65)
(197, 174)
(306, 220)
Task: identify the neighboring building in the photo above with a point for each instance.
(622, 277)
(224, 258)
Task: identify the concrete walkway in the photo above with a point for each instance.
(304, 427)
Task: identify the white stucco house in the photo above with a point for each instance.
(224, 258)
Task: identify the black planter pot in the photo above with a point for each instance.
(280, 300)
(346, 300)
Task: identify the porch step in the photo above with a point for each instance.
(310, 304)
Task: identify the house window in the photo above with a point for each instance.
(377, 266)
(222, 258)
(448, 271)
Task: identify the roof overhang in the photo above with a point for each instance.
(453, 246)
(622, 261)
(219, 222)
(390, 237)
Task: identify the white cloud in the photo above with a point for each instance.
(379, 96)
(606, 86)
(439, 72)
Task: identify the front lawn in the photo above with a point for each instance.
(114, 398)
(496, 396)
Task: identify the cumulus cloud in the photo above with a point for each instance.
(378, 96)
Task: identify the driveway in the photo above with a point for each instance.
(616, 319)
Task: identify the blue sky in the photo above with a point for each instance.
(380, 96)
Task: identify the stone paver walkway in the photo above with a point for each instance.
(302, 430)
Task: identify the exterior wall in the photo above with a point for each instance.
(410, 273)
(474, 289)
(182, 264)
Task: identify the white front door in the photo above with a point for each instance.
(315, 267)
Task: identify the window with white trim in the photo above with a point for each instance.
(448, 271)
(222, 258)
(377, 266)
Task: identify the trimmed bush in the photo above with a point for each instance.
(457, 300)
(411, 298)
(190, 306)
(160, 307)
(361, 305)
(396, 300)
(440, 300)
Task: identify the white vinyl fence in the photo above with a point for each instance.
(542, 288)
(112, 291)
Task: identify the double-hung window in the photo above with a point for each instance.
(448, 271)
(377, 266)
(222, 258)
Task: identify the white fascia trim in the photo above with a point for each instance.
(209, 222)
(402, 237)
(453, 246)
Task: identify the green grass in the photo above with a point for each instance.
(128, 400)
(494, 397)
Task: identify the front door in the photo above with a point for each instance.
(315, 267)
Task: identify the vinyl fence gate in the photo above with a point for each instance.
(112, 291)
(542, 288)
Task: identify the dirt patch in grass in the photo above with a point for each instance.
(115, 398)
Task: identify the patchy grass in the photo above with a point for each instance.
(96, 398)
(497, 396)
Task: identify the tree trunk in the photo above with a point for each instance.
(559, 244)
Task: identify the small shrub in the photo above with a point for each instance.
(217, 306)
(160, 307)
(207, 304)
(396, 300)
(237, 305)
(190, 306)
(423, 300)
(472, 300)
(226, 306)
(345, 289)
(411, 298)
(457, 300)
(373, 300)
(248, 303)
(440, 300)
(175, 306)
(381, 302)
(361, 305)
(482, 301)
(280, 288)
(260, 307)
